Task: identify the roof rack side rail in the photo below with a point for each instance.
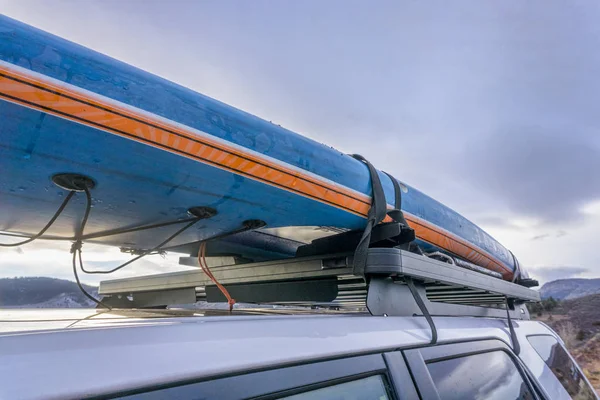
(447, 289)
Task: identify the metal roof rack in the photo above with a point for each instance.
(445, 289)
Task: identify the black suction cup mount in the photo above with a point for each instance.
(251, 224)
(202, 212)
(73, 182)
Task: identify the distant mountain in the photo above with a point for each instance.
(564, 289)
(39, 292)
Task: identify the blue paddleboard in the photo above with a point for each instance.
(155, 149)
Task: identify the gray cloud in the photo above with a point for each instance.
(547, 274)
(540, 237)
(543, 236)
(561, 233)
(539, 173)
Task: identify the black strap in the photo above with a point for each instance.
(45, 228)
(517, 272)
(511, 328)
(376, 214)
(378, 203)
(422, 307)
(397, 214)
(397, 192)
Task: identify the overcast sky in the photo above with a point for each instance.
(491, 107)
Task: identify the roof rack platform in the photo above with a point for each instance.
(328, 281)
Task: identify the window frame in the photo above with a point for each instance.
(284, 380)
(400, 376)
(562, 345)
(417, 360)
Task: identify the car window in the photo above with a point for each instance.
(492, 375)
(369, 388)
(557, 358)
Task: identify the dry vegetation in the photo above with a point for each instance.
(577, 321)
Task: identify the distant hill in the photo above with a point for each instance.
(582, 312)
(39, 292)
(565, 289)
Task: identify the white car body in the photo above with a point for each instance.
(86, 353)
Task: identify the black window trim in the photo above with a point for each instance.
(417, 360)
(320, 385)
(276, 382)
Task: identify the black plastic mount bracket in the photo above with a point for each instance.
(73, 182)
